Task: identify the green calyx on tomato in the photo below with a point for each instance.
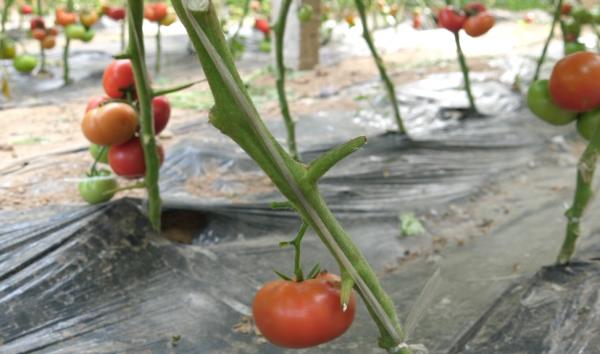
(25, 63)
(93, 188)
(588, 123)
(99, 152)
(574, 47)
(541, 104)
(305, 13)
(74, 31)
(8, 49)
(582, 15)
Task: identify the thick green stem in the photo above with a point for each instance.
(543, 56)
(583, 194)
(42, 50)
(123, 21)
(465, 71)
(158, 50)
(235, 116)
(237, 32)
(297, 243)
(66, 61)
(279, 31)
(144, 91)
(7, 5)
(384, 76)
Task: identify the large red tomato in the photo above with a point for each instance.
(127, 159)
(479, 24)
(451, 20)
(301, 315)
(117, 77)
(113, 123)
(116, 13)
(162, 111)
(575, 82)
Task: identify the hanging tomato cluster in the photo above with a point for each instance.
(473, 18)
(159, 12)
(572, 93)
(46, 36)
(114, 12)
(73, 29)
(263, 26)
(570, 23)
(111, 124)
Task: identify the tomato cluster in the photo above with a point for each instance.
(111, 124)
(571, 21)
(114, 12)
(572, 93)
(159, 12)
(47, 36)
(473, 18)
(77, 27)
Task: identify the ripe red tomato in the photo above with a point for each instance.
(565, 8)
(162, 112)
(479, 24)
(451, 20)
(301, 315)
(26, 9)
(574, 84)
(38, 34)
(116, 13)
(127, 159)
(160, 10)
(64, 18)
(262, 25)
(37, 22)
(417, 22)
(113, 123)
(95, 102)
(150, 12)
(118, 76)
(474, 8)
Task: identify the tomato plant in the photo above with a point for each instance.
(451, 20)
(117, 78)
(541, 104)
(168, 20)
(162, 112)
(582, 15)
(574, 84)
(127, 159)
(160, 10)
(588, 123)
(93, 188)
(305, 13)
(113, 123)
(25, 63)
(38, 34)
(479, 24)
(572, 28)
(116, 13)
(65, 18)
(96, 150)
(88, 35)
(149, 12)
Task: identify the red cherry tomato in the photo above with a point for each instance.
(127, 159)
(417, 22)
(52, 31)
(479, 24)
(113, 123)
(255, 5)
(26, 9)
(95, 102)
(451, 20)
(565, 8)
(37, 22)
(574, 84)
(162, 112)
(160, 10)
(301, 315)
(118, 76)
(116, 13)
(262, 25)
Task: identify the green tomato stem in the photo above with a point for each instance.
(144, 91)
(42, 50)
(543, 56)
(235, 116)
(583, 194)
(382, 71)
(297, 245)
(66, 61)
(465, 71)
(101, 151)
(135, 186)
(158, 50)
(156, 93)
(123, 21)
(279, 31)
(237, 32)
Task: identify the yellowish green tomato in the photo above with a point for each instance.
(588, 123)
(25, 63)
(95, 150)
(93, 188)
(8, 49)
(74, 31)
(305, 13)
(541, 104)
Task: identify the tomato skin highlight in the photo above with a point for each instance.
(127, 159)
(541, 104)
(113, 123)
(92, 190)
(162, 112)
(302, 315)
(588, 123)
(451, 20)
(479, 24)
(574, 84)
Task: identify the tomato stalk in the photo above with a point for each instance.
(583, 195)
(237, 32)
(297, 243)
(147, 138)
(66, 61)
(279, 31)
(42, 50)
(235, 116)
(158, 50)
(465, 71)
(382, 71)
(100, 153)
(543, 56)
(123, 33)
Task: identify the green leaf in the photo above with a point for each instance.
(410, 225)
(314, 272)
(283, 276)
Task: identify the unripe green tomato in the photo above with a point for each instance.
(95, 151)
(25, 63)
(305, 13)
(88, 36)
(582, 15)
(8, 49)
(74, 31)
(572, 27)
(574, 47)
(588, 123)
(541, 104)
(264, 46)
(92, 188)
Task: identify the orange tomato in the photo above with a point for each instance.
(64, 18)
(105, 8)
(49, 42)
(113, 123)
(479, 24)
(38, 34)
(150, 12)
(88, 18)
(393, 9)
(160, 10)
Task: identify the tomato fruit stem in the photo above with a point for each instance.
(144, 92)
(382, 71)
(66, 61)
(42, 50)
(279, 31)
(550, 36)
(583, 195)
(465, 71)
(156, 93)
(242, 18)
(135, 186)
(158, 49)
(296, 243)
(100, 153)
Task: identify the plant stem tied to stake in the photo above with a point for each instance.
(543, 56)
(236, 117)
(583, 194)
(465, 70)
(147, 138)
(384, 76)
(42, 51)
(279, 30)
